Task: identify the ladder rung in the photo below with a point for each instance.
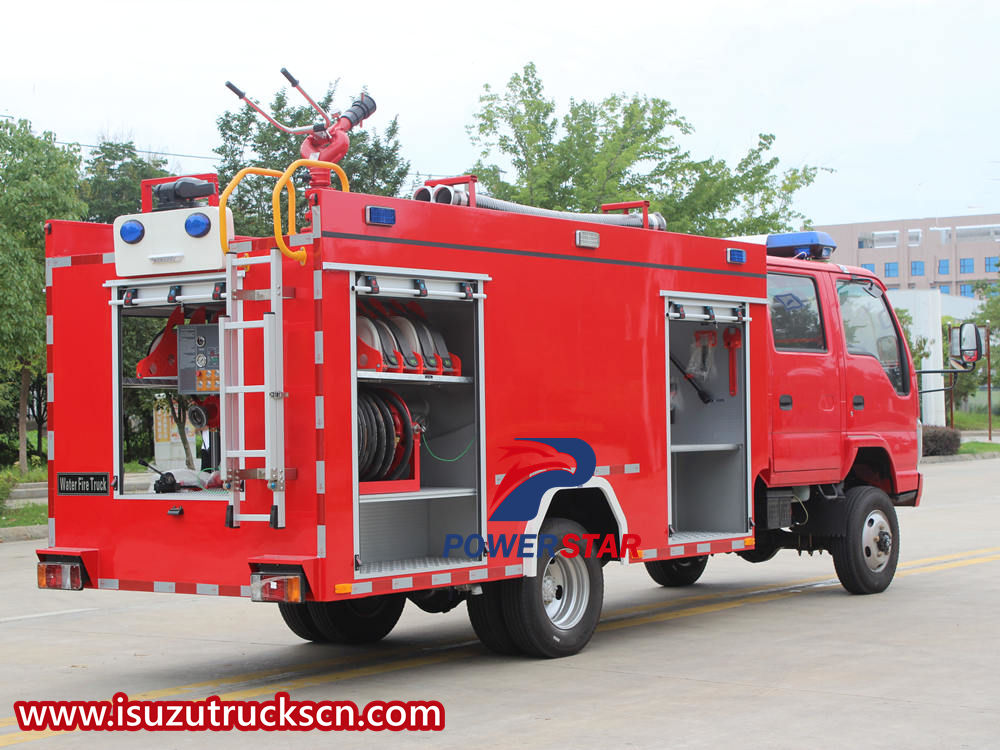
(247, 454)
(244, 389)
(244, 324)
(253, 517)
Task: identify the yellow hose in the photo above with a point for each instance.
(224, 198)
(299, 255)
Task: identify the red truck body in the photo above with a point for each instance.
(556, 342)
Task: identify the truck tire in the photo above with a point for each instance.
(299, 621)
(486, 616)
(761, 553)
(555, 612)
(681, 572)
(865, 558)
(357, 620)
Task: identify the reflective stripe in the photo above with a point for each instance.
(107, 583)
(402, 583)
(210, 589)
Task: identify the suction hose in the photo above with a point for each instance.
(448, 195)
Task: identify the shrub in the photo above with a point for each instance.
(941, 441)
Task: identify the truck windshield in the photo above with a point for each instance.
(869, 330)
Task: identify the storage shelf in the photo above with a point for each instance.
(692, 537)
(415, 565)
(427, 493)
(150, 383)
(372, 376)
(704, 447)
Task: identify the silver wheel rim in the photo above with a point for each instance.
(565, 590)
(876, 541)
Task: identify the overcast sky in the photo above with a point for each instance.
(900, 98)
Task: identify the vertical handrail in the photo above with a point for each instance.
(224, 199)
(299, 255)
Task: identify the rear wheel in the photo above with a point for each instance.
(300, 622)
(681, 572)
(865, 558)
(357, 620)
(487, 618)
(555, 612)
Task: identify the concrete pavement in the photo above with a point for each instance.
(771, 655)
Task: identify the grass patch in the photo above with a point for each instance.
(967, 420)
(10, 476)
(29, 515)
(974, 446)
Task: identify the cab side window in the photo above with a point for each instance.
(869, 330)
(796, 322)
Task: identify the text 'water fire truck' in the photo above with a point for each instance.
(453, 398)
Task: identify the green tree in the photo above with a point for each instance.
(625, 148)
(920, 346)
(373, 165)
(38, 182)
(112, 177)
(111, 187)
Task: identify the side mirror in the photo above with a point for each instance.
(970, 343)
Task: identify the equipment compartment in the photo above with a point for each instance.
(424, 351)
(708, 419)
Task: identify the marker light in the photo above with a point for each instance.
(380, 216)
(132, 231)
(197, 225)
(589, 240)
(736, 255)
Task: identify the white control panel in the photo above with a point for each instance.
(173, 241)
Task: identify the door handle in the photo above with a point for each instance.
(785, 402)
(859, 402)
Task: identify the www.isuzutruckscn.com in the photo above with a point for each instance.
(214, 714)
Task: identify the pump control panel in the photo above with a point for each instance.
(197, 359)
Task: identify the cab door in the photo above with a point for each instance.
(805, 394)
(880, 398)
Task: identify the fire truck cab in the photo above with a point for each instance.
(453, 399)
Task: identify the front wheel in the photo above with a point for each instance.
(357, 620)
(681, 572)
(555, 612)
(865, 558)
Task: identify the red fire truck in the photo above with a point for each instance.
(452, 398)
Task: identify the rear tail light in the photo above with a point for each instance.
(60, 575)
(268, 587)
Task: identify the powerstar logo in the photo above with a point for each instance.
(537, 466)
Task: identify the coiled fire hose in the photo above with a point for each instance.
(385, 435)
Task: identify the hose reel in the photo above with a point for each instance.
(386, 435)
